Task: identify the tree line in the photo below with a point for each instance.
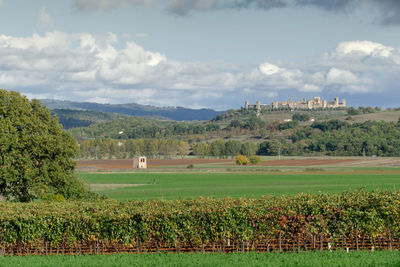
(107, 148)
(137, 128)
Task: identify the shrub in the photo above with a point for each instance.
(301, 117)
(242, 160)
(190, 166)
(352, 111)
(255, 160)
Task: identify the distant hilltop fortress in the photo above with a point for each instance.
(315, 103)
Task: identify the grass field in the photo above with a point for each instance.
(130, 186)
(382, 258)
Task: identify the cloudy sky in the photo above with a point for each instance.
(202, 53)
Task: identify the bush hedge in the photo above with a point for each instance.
(201, 220)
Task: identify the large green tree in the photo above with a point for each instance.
(36, 154)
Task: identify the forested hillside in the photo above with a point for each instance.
(137, 127)
(70, 118)
(132, 109)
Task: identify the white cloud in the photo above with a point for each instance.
(364, 48)
(338, 76)
(44, 18)
(87, 67)
(90, 68)
(268, 69)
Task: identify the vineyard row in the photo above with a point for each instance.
(306, 221)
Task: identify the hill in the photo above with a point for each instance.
(363, 115)
(235, 124)
(82, 118)
(132, 109)
(389, 115)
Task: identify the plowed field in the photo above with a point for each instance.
(113, 164)
(127, 164)
(305, 162)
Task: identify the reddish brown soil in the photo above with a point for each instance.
(125, 164)
(303, 162)
(128, 163)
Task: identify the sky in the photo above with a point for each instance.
(202, 53)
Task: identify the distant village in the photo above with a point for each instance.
(315, 103)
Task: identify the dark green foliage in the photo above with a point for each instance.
(287, 125)
(81, 118)
(218, 148)
(330, 125)
(341, 138)
(254, 123)
(365, 110)
(235, 124)
(269, 148)
(301, 117)
(36, 155)
(132, 109)
(333, 137)
(352, 111)
(248, 149)
(212, 127)
(232, 147)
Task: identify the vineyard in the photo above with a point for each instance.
(354, 220)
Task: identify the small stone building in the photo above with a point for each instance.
(140, 162)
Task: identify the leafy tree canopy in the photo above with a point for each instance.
(36, 154)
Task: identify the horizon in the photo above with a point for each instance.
(237, 108)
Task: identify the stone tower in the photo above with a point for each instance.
(140, 162)
(336, 102)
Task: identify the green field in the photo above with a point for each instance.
(190, 185)
(382, 258)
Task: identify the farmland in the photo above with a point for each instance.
(189, 185)
(170, 179)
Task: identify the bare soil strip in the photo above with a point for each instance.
(303, 162)
(100, 187)
(127, 164)
(111, 164)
